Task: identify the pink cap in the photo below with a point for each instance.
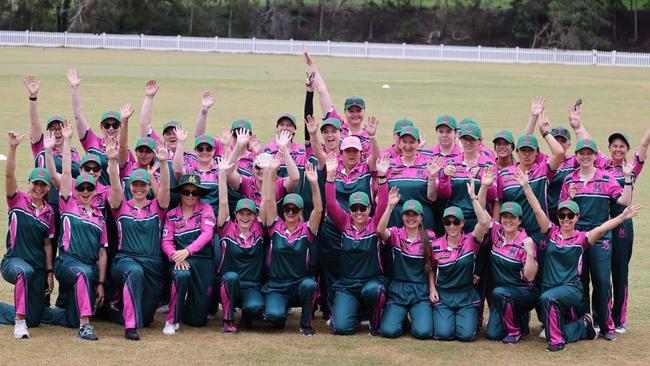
(351, 141)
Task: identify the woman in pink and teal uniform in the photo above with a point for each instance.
(28, 261)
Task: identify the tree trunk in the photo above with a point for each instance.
(635, 9)
(321, 5)
(191, 19)
(230, 19)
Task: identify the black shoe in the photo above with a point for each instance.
(87, 332)
(131, 334)
(555, 347)
(374, 332)
(589, 326)
(307, 331)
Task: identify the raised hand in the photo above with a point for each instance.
(382, 165)
(471, 189)
(73, 78)
(263, 160)
(254, 144)
(371, 126)
(543, 123)
(33, 85)
(153, 168)
(226, 136)
(243, 136)
(151, 88)
(126, 112)
(207, 100)
(628, 168)
(67, 130)
(283, 139)
(49, 141)
(571, 191)
(112, 151)
(224, 165)
(631, 211)
(423, 141)
(310, 173)
(394, 197)
(309, 82)
(537, 106)
(275, 162)
(433, 167)
(312, 125)
(15, 139)
(575, 116)
(529, 245)
(181, 134)
(305, 55)
(331, 164)
(522, 177)
(162, 153)
(449, 170)
(488, 176)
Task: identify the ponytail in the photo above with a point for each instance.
(426, 248)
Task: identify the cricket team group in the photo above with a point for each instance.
(412, 238)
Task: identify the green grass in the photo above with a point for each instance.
(262, 87)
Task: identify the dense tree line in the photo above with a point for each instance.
(572, 24)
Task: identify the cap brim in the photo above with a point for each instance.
(412, 210)
(618, 135)
(40, 180)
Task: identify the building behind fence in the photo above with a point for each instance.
(337, 49)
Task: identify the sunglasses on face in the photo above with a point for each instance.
(85, 188)
(566, 216)
(143, 150)
(290, 209)
(360, 208)
(55, 129)
(451, 221)
(188, 192)
(114, 125)
(204, 148)
(94, 168)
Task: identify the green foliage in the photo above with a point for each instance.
(578, 22)
(409, 29)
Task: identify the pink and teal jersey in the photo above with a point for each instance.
(408, 255)
(594, 196)
(38, 150)
(455, 266)
(83, 231)
(242, 254)
(435, 151)
(290, 255)
(193, 233)
(362, 135)
(125, 173)
(138, 228)
(210, 180)
(94, 144)
(563, 258)
(412, 181)
(617, 172)
(507, 259)
(28, 227)
(249, 188)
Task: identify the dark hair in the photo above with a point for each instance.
(426, 248)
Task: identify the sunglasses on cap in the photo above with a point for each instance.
(290, 209)
(85, 188)
(566, 216)
(204, 148)
(189, 192)
(357, 207)
(449, 221)
(114, 125)
(94, 168)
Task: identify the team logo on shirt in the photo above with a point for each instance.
(419, 172)
(597, 187)
(605, 244)
(513, 251)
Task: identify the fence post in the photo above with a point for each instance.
(442, 50)
(517, 55)
(404, 51)
(216, 43)
(65, 39)
(291, 46)
(103, 40)
(253, 45)
(27, 38)
(178, 42)
(329, 48)
(614, 57)
(594, 57)
(141, 41)
(555, 55)
(479, 53)
(365, 47)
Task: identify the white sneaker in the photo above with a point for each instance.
(291, 311)
(20, 329)
(164, 309)
(597, 328)
(542, 334)
(170, 329)
(620, 330)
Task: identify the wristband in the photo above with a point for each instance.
(33, 98)
(380, 177)
(629, 183)
(545, 133)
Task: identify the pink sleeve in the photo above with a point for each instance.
(584, 240)
(63, 203)
(615, 190)
(37, 146)
(638, 166)
(154, 136)
(382, 202)
(126, 171)
(103, 240)
(245, 187)
(564, 192)
(280, 189)
(334, 114)
(90, 140)
(500, 187)
(167, 243)
(15, 199)
(219, 149)
(208, 221)
(444, 186)
(161, 212)
(334, 210)
(118, 211)
(393, 240)
(494, 229)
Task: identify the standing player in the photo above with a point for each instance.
(28, 261)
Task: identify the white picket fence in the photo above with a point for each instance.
(337, 49)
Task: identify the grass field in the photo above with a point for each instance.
(262, 87)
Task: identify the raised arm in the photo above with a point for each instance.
(125, 112)
(542, 220)
(309, 104)
(75, 80)
(557, 152)
(487, 182)
(66, 161)
(334, 210)
(33, 86)
(536, 108)
(11, 183)
(312, 127)
(177, 163)
(626, 196)
(575, 121)
(268, 209)
(243, 137)
(223, 213)
(207, 101)
(375, 149)
(317, 212)
(433, 169)
(642, 150)
(163, 189)
(596, 233)
(382, 227)
(482, 215)
(530, 268)
(319, 83)
(116, 193)
(150, 90)
(293, 174)
(382, 188)
(50, 165)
